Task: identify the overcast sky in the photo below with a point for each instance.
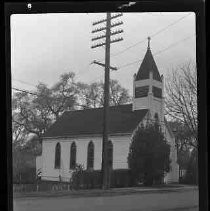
(46, 45)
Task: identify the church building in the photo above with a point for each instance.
(76, 137)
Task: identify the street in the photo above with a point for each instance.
(164, 201)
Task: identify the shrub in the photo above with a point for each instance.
(120, 178)
(77, 177)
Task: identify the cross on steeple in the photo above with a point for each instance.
(148, 42)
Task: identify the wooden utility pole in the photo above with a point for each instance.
(105, 168)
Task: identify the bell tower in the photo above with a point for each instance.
(148, 87)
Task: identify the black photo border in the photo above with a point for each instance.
(10, 7)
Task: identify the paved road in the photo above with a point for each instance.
(170, 201)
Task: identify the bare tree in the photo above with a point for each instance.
(181, 99)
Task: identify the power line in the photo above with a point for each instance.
(78, 76)
(159, 52)
(120, 52)
(123, 66)
(26, 91)
(173, 23)
(153, 35)
(113, 55)
(174, 44)
(24, 82)
(36, 94)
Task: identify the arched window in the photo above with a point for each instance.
(157, 123)
(110, 154)
(57, 156)
(156, 118)
(73, 152)
(90, 155)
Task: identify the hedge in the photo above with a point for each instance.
(93, 179)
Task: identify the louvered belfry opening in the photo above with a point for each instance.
(157, 92)
(141, 91)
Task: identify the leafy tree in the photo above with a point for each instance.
(61, 97)
(34, 113)
(33, 146)
(92, 96)
(118, 94)
(18, 133)
(149, 155)
(27, 116)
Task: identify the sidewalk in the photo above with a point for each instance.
(109, 192)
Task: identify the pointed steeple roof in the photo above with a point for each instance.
(148, 64)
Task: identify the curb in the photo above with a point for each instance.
(92, 193)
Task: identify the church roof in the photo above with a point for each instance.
(90, 121)
(148, 64)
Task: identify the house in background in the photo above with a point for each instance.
(76, 137)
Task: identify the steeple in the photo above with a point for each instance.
(148, 65)
(148, 87)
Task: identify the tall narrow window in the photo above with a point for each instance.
(110, 154)
(157, 123)
(156, 118)
(90, 155)
(73, 151)
(58, 156)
